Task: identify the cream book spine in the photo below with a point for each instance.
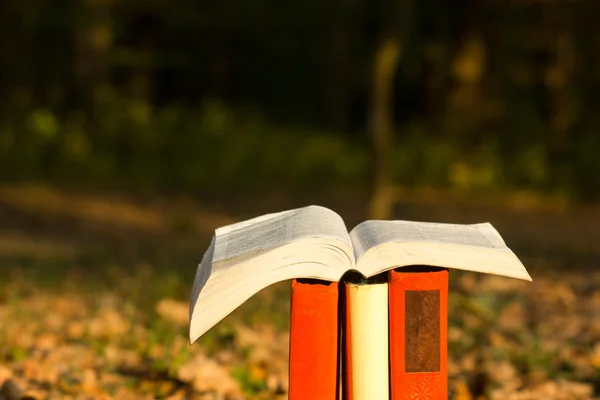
(367, 352)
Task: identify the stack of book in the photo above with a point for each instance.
(368, 307)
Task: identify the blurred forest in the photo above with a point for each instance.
(229, 95)
(131, 129)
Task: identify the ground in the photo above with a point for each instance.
(94, 295)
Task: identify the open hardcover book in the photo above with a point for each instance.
(313, 242)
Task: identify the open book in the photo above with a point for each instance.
(313, 242)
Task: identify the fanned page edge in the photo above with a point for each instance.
(208, 276)
(221, 287)
(224, 230)
(334, 228)
(501, 263)
(398, 254)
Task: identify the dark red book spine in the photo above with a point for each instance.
(314, 341)
(418, 301)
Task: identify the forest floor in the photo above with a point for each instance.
(94, 293)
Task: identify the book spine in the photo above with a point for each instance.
(366, 342)
(418, 304)
(314, 341)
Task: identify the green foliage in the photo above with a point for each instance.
(205, 150)
(216, 149)
(250, 384)
(487, 97)
(536, 359)
(221, 337)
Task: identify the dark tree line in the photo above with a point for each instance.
(516, 84)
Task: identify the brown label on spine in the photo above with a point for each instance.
(422, 330)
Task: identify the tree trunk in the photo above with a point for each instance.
(386, 61)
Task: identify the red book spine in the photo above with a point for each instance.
(418, 321)
(314, 337)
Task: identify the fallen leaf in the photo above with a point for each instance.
(89, 381)
(5, 374)
(462, 391)
(205, 375)
(177, 312)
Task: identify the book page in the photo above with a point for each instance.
(373, 233)
(237, 264)
(273, 230)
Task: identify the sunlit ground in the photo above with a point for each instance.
(94, 291)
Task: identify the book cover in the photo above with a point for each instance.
(418, 312)
(314, 340)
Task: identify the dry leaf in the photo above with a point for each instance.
(178, 395)
(174, 311)
(108, 323)
(5, 374)
(205, 375)
(89, 381)
(461, 391)
(34, 394)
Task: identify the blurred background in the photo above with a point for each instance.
(130, 130)
(230, 96)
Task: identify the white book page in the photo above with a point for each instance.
(370, 234)
(235, 266)
(273, 230)
(383, 245)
